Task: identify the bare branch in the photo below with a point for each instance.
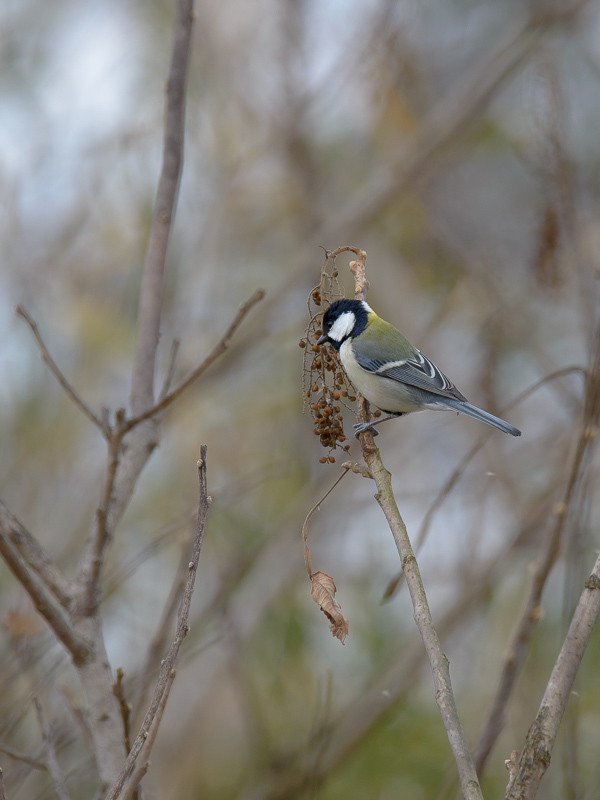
(160, 638)
(151, 293)
(530, 613)
(168, 665)
(92, 560)
(33, 555)
(535, 758)
(217, 350)
(54, 769)
(53, 367)
(77, 647)
(422, 615)
(24, 759)
(439, 663)
(119, 488)
(307, 560)
(141, 769)
(124, 706)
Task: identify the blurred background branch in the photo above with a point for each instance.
(535, 758)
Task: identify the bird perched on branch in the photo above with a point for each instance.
(389, 371)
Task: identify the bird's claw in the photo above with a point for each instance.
(361, 427)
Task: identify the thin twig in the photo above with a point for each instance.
(33, 555)
(151, 292)
(160, 638)
(92, 560)
(218, 350)
(130, 789)
(422, 615)
(53, 367)
(168, 665)
(307, 559)
(124, 706)
(54, 769)
(14, 754)
(75, 645)
(322, 586)
(535, 758)
(530, 612)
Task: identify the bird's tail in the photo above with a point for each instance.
(482, 416)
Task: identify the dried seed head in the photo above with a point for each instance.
(323, 374)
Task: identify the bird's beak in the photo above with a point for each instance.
(322, 339)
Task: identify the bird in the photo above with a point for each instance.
(389, 371)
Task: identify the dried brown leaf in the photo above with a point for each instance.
(322, 589)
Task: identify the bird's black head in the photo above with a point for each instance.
(343, 319)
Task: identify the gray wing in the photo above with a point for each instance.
(417, 371)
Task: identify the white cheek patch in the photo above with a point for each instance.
(343, 326)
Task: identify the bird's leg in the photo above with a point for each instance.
(361, 427)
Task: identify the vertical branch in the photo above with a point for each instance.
(422, 615)
(130, 791)
(168, 665)
(151, 294)
(438, 662)
(123, 473)
(124, 464)
(90, 565)
(159, 640)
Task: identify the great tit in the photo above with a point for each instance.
(388, 370)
